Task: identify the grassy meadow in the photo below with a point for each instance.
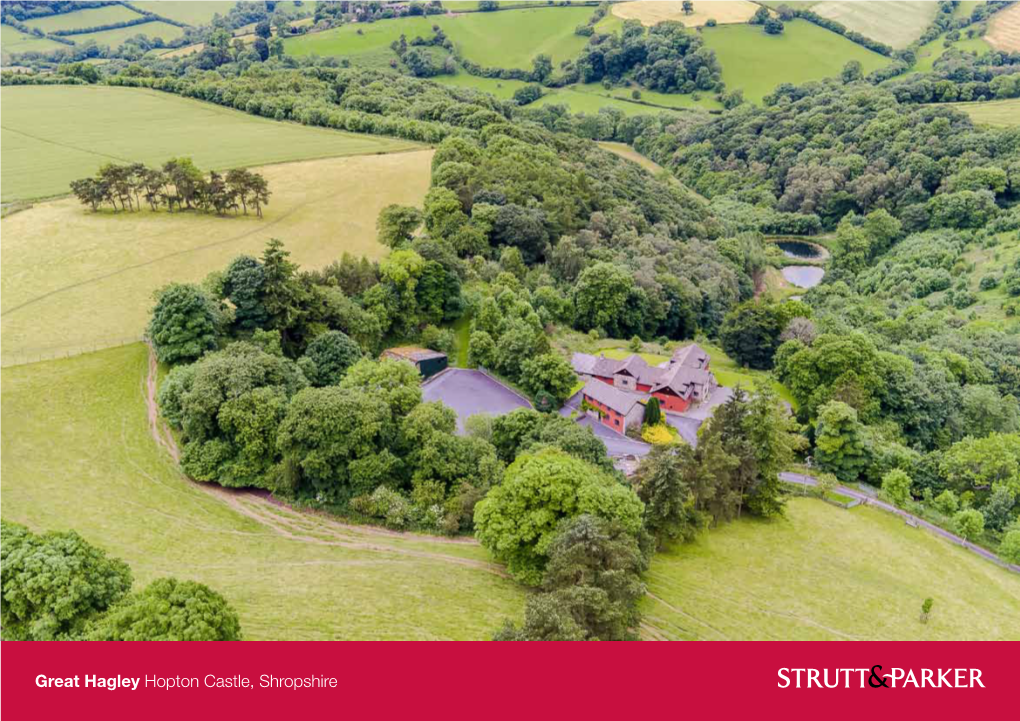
(87, 18)
(80, 457)
(894, 22)
(756, 62)
(75, 279)
(1000, 113)
(55, 134)
(508, 39)
(823, 573)
(116, 37)
(13, 40)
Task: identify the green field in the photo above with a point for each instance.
(824, 573)
(53, 135)
(80, 457)
(500, 39)
(502, 89)
(653, 101)
(928, 53)
(81, 19)
(756, 63)
(13, 40)
(74, 280)
(115, 38)
(191, 13)
(893, 22)
(1000, 113)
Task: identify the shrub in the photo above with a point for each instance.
(658, 434)
(970, 524)
(947, 502)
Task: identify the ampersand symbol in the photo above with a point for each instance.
(876, 677)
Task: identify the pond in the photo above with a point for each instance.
(797, 249)
(803, 276)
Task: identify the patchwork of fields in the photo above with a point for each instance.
(823, 573)
(80, 457)
(502, 39)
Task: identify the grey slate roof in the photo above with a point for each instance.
(620, 401)
(691, 356)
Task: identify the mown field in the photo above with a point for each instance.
(893, 22)
(756, 62)
(1004, 29)
(80, 457)
(73, 279)
(650, 13)
(1001, 113)
(824, 573)
(507, 39)
(52, 135)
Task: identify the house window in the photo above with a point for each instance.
(616, 421)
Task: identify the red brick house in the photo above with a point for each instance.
(677, 383)
(615, 408)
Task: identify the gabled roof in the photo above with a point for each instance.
(620, 401)
(583, 364)
(691, 356)
(682, 380)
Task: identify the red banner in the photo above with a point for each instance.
(415, 680)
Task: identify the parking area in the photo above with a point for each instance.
(469, 392)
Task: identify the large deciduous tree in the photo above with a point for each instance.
(183, 324)
(54, 584)
(169, 610)
(517, 520)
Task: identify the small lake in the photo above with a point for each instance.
(803, 276)
(796, 249)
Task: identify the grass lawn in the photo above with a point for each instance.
(893, 22)
(650, 13)
(13, 41)
(79, 456)
(73, 279)
(499, 39)
(55, 134)
(191, 13)
(82, 19)
(824, 573)
(462, 335)
(1001, 113)
(115, 38)
(756, 62)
